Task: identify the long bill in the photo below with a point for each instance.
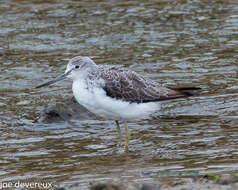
(59, 78)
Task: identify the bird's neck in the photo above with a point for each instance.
(83, 75)
(85, 79)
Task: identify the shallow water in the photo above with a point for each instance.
(192, 43)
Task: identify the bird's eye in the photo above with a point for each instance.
(76, 67)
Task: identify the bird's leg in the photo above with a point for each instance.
(128, 135)
(119, 132)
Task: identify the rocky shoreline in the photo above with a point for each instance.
(206, 182)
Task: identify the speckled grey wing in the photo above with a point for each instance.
(130, 86)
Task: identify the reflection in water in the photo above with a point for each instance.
(179, 42)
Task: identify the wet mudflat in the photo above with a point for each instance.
(191, 43)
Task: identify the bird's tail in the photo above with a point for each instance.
(187, 91)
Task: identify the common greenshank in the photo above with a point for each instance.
(117, 93)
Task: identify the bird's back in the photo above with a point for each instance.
(127, 85)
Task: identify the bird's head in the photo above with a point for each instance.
(77, 68)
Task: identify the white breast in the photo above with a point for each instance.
(96, 101)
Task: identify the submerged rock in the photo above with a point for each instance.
(65, 111)
(107, 186)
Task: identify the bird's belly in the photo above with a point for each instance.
(98, 103)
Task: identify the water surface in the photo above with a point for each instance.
(191, 43)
